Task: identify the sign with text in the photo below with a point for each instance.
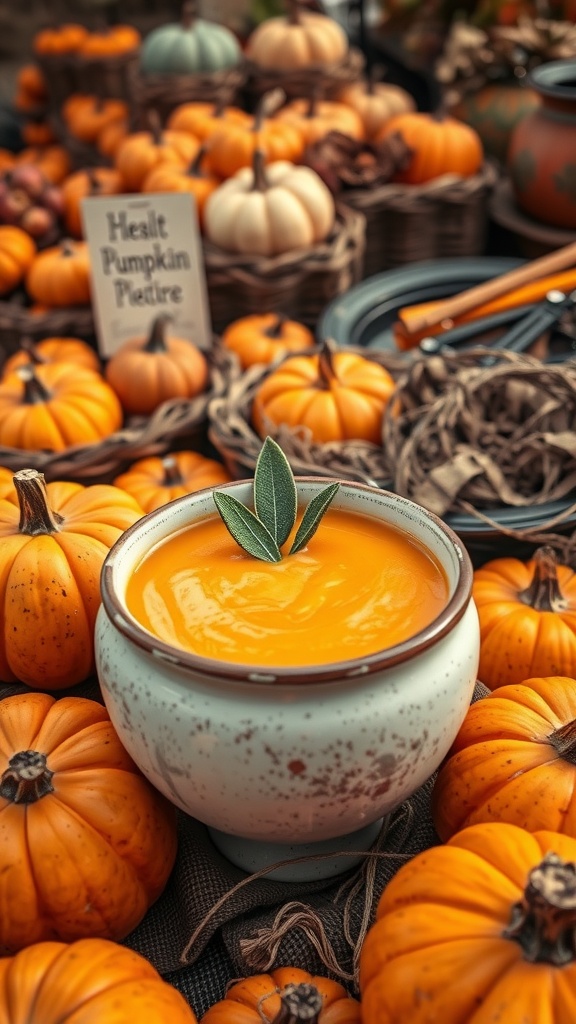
(146, 259)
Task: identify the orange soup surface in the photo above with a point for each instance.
(359, 587)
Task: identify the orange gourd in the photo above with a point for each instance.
(111, 137)
(53, 350)
(17, 253)
(86, 981)
(52, 406)
(335, 395)
(112, 41)
(53, 161)
(440, 145)
(375, 102)
(513, 760)
(157, 480)
(66, 38)
(144, 372)
(6, 484)
(32, 83)
(88, 842)
(93, 181)
(477, 931)
(53, 540)
(314, 118)
(38, 133)
(527, 613)
(203, 119)
(265, 337)
(233, 145)
(86, 116)
(286, 994)
(141, 152)
(60, 275)
(195, 179)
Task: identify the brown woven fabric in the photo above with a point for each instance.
(321, 79)
(17, 321)
(238, 939)
(67, 73)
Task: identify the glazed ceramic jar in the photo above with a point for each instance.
(279, 763)
(542, 153)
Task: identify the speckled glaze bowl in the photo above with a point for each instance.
(287, 763)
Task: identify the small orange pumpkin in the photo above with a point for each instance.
(336, 395)
(53, 350)
(203, 119)
(527, 613)
(157, 480)
(111, 137)
(38, 133)
(88, 842)
(112, 41)
(53, 541)
(6, 482)
(66, 38)
(17, 253)
(265, 337)
(84, 981)
(93, 181)
(31, 81)
(145, 372)
(194, 179)
(233, 145)
(86, 116)
(314, 118)
(439, 144)
(140, 152)
(60, 275)
(54, 406)
(285, 994)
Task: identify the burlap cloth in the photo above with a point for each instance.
(200, 934)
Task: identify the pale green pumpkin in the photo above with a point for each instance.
(190, 46)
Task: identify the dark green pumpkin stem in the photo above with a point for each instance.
(36, 516)
(543, 922)
(544, 593)
(35, 392)
(276, 327)
(301, 1004)
(156, 341)
(27, 778)
(172, 474)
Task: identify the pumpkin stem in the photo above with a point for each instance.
(35, 392)
(27, 778)
(195, 168)
(66, 247)
(156, 341)
(544, 593)
(189, 14)
(543, 922)
(155, 125)
(260, 181)
(94, 183)
(36, 516)
(27, 345)
(564, 741)
(326, 371)
(293, 16)
(172, 474)
(267, 106)
(377, 73)
(275, 328)
(301, 1004)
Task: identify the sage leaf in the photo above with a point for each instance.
(312, 516)
(246, 528)
(275, 498)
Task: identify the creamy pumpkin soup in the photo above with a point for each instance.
(360, 586)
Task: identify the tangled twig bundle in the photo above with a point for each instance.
(481, 429)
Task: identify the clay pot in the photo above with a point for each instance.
(542, 153)
(494, 111)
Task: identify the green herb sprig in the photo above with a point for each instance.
(263, 532)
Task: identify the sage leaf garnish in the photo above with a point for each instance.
(246, 528)
(262, 532)
(275, 497)
(312, 516)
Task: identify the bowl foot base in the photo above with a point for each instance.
(253, 855)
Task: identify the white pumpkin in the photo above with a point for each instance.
(376, 103)
(268, 211)
(297, 40)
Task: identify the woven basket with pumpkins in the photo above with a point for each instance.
(324, 405)
(74, 59)
(300, 51)
(66, 414)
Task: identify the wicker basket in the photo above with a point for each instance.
(17, 321)
(107, 77)
(176, 423)
(301, 282)
(163, 93)
(443, 218)
(321, 79)
(232, 435)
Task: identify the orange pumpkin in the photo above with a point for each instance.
(527, 613)
(140, 152)
(335, 395)
(513, 760)
(233, 145)
(38, 133)
(88, 842)
(60, 275)
(67, 38)
(111, 137)
(286, 994)
(194, 179)
(31, 81)
(53, 540)
(53, 350)
(86, 116)
(314, 118)
(17, 253)
(53, 161)
(56, 405)
(145, 372)
(375, 102)
(439, 144)
(110, 42)
(6, 484)
(157, 480)
(265, 337)
(477, 931)
(203, 119)
(93, 181)
(85, 981)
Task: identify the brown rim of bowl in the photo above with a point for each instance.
(295, 674)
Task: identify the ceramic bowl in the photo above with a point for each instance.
(281, 764)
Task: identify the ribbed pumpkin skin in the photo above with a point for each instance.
(143, 380)
(256, 1000)
(263, 337)
(17, 252)
(436, 954)
(91, 981)
(57, 350)
(179, 50)
(146, 479)
(440, 146)
(283, 44)
(60, 276)
(88, 859)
